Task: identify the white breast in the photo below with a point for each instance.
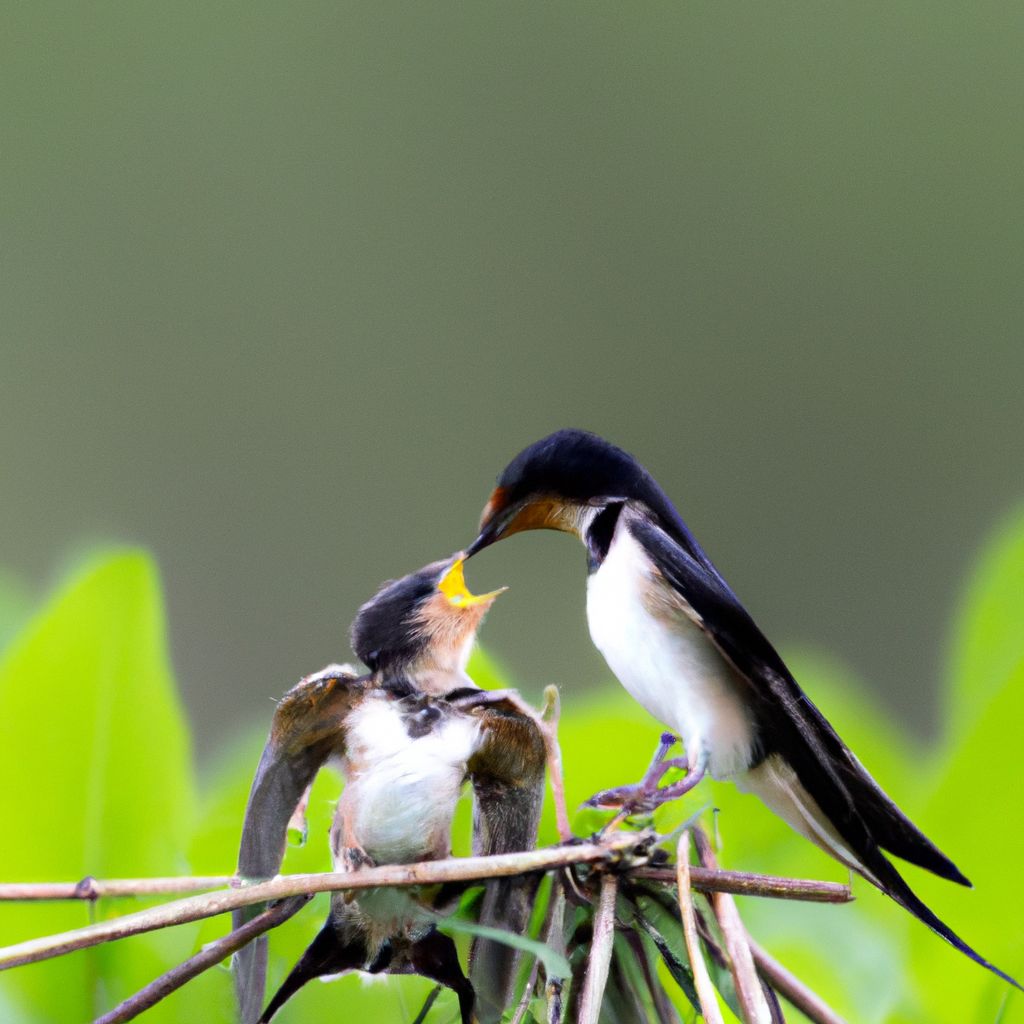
(665, 661)
(403, 795)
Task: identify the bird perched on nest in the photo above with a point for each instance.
(681, 643)
(406, 736)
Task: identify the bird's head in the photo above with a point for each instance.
(559, 483)
(422, 623)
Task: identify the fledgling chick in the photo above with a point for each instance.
(406, 736)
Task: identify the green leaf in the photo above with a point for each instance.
(554, 963)
(666, 934)
(94, 755)
(988, 641)
(979, 796)
(15, 606)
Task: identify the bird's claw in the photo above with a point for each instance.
(645, 796)
(356, 857)
(629, 800)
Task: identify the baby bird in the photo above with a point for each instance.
(406, 736)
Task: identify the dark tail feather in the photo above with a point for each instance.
(250, 969)
(891, 828)
(435, 957)
(326, 954)
(892, 883)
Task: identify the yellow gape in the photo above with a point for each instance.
(453, 586)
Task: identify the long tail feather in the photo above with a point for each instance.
(326, 954)
(777, 785)
(892, 883)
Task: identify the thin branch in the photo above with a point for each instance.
(600, 951)
(90, 888)
(701, 979)
(547, 722)
(809, 1003)
(753, 1005)
(619, 847)
(739, 883)
(747, 883)
(209, 956)
(524, 1003)
(554, 939)
(194, 908)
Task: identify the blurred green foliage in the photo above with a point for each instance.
(98, 779)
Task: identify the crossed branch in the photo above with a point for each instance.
(613, 860)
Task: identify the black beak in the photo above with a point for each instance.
(488, 535)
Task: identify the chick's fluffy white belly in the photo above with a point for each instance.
(405, 790)
(665, 661)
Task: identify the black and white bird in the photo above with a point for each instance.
(683, 646)
(405, 736)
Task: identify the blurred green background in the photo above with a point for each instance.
(103, 783)
(284, 285)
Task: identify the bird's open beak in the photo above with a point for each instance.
(453, 586)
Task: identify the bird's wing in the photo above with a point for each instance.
(507, 772)
(852, 801)
(307, 729)
(855, 804)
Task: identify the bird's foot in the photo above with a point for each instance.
(355, 857)
(645, 796)
(639, 798)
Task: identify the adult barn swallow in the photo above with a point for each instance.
(405, 736)
(680, 642)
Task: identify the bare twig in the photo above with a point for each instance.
(194, 908)
(554, 939)
(809, 1003)
(600, 951)
(753, 1005)
(739, 883)
(90, 888)
(701, 979)
(619, 848)
(524, 1003)
(747, 883)
(209, 956)
(547, 722)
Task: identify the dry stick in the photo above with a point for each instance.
(90, 888)
(740, 883)
(809, 1003)
(554, 939)
(753, 1005)
(547, 722)
(701, 979)
(600, 951)
(524, 1003)
(747, 883)
(194, 908)
(209, 956)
